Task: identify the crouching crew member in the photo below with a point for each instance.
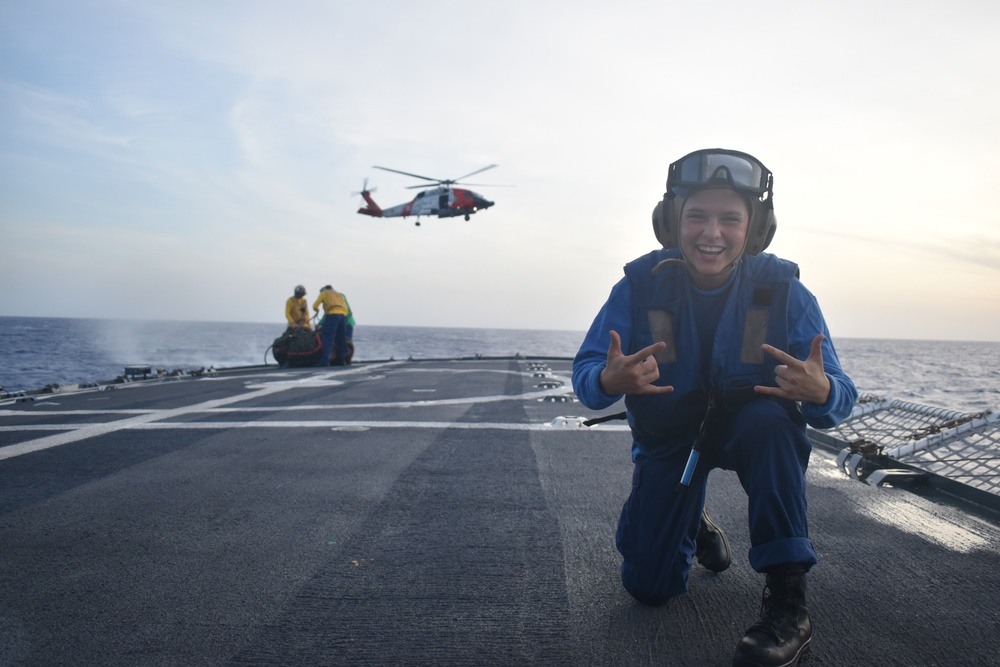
(714, 343)
(297, 310)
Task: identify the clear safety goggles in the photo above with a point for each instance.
(717, 165)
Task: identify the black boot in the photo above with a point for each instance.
(781, 637)
(711, 547)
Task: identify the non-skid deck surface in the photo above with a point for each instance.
(421, 513)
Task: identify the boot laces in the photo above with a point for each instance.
(778, 614)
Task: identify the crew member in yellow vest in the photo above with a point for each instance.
(333, 328)
(297, 310)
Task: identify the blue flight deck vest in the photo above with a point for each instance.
(755, 312)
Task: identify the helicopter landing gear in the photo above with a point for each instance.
(417, 223)
(466, 216)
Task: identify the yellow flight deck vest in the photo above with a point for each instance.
(333, 302)
(297, 311)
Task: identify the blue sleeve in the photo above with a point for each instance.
(806, 322)
(593, 355)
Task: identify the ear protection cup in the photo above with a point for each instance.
(660, 225)
(665, 216)
(760, 233)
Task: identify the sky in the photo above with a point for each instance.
(196, 160)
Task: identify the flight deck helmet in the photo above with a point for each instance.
(717, 166)
(300, 291)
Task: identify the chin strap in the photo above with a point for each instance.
(673, 260)
(683, 261)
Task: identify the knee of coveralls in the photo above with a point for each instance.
(657, 529)
(767, 446)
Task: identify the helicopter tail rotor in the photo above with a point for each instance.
(364, 189)
(369, 207)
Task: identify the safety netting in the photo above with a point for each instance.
(964, 447)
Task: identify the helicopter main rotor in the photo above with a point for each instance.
(438, 181)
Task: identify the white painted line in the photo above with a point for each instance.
(40, 427)
(92, 430)
(156, 419)
(96, 411)
(469, 426)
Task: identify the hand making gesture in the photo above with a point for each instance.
(799, 380)
(633, 373)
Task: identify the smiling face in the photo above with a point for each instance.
(713, 230)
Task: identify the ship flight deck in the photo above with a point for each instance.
(436, 512)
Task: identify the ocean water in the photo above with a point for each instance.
(35, 352)
(955, 375)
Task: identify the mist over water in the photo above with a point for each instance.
(35, 352)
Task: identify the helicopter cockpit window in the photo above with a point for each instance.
(420, 194)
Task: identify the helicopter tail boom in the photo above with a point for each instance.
(372, 209)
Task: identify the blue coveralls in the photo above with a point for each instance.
(763, 439)
(334, 337)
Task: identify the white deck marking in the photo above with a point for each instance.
(91, 430)
(95, 411)
(464, 400)
(470, 426)
(40, 427)
(156, 419)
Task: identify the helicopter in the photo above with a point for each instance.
(441, 200)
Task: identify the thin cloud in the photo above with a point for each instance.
(51, 113)
(981, 251)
